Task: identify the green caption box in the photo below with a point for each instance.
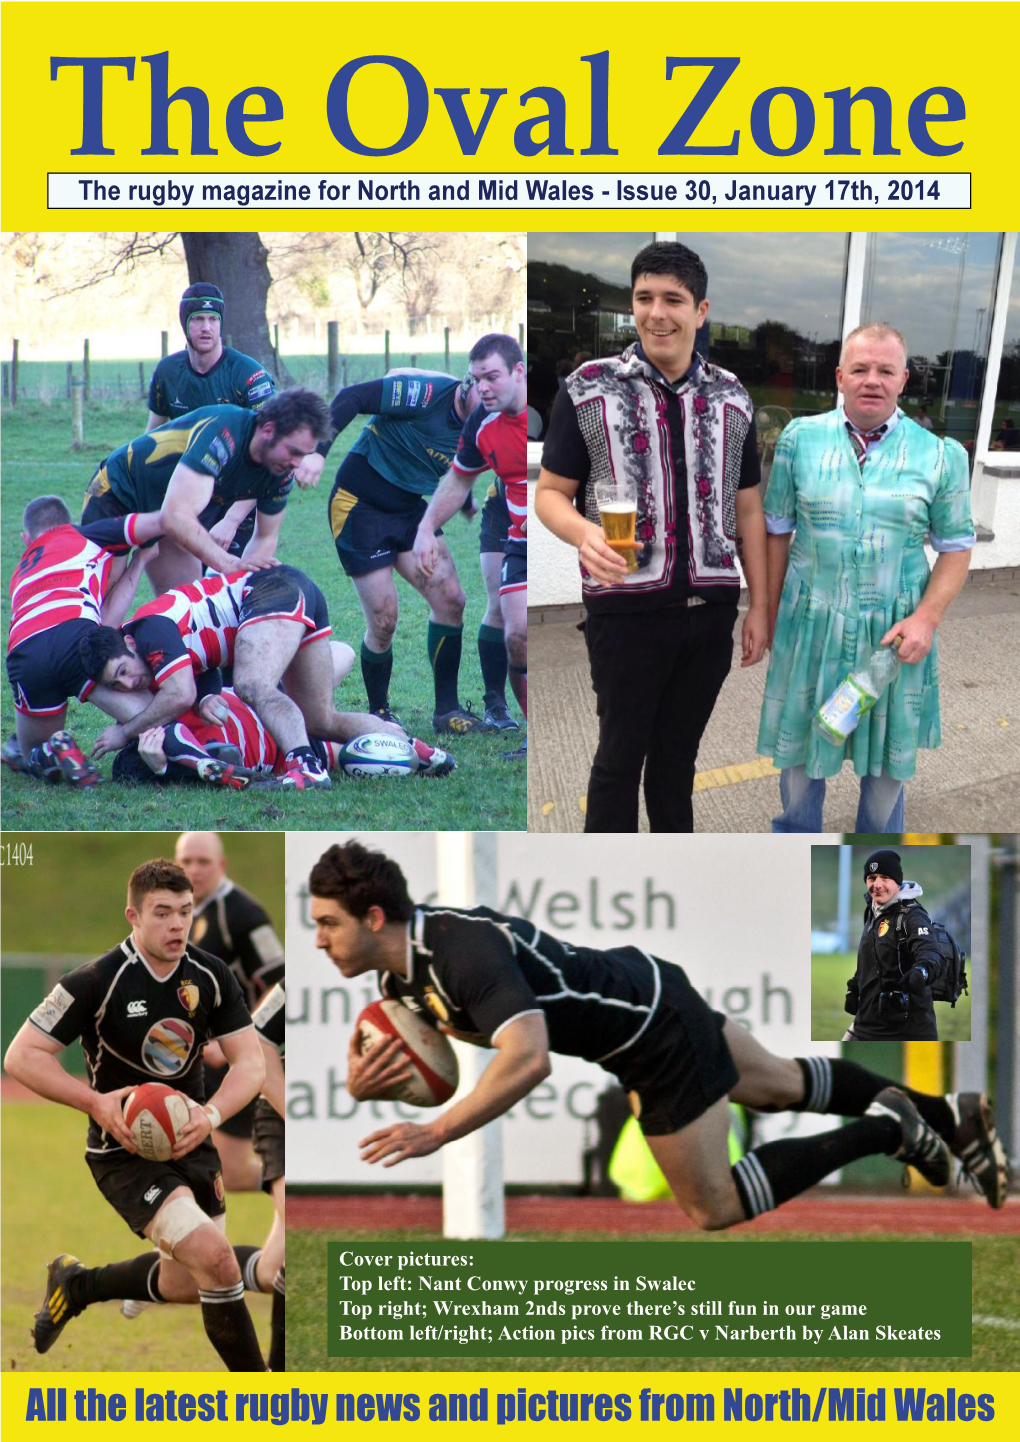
(647, 1299)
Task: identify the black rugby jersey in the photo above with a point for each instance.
(136, 1027)
(474, 971)
(269, 1017)
(232, 925)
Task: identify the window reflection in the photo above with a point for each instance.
(1006, 422)
(937, 289)
(775, 317)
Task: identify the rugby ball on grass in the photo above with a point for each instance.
(378, 754)
(155, 1115)
(434, 1071)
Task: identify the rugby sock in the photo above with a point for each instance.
(444, 643)
(248, 1261)
(278, 1336)
(230, 1329)
(492, 659)
(777, 1171)
(180, 744)
(134, 1281)
(847, 1090)
(376, 667)
(519, 686)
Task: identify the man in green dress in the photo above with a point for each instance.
(858, 491)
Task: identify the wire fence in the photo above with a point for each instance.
(126, 380)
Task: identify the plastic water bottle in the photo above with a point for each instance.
(838, 717)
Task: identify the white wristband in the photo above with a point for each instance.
(213, 1113)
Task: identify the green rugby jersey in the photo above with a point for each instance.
(235, 380)
(412, 439)
(213, 441)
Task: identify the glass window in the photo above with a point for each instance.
(1006, 423)
(938, 291)
(775, 318)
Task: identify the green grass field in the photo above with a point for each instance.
(51, 1205)
(996, 1349)
(828, 991)
(483, 794)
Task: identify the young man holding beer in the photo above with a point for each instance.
(661, 432)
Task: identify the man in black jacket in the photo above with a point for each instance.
(897, 960)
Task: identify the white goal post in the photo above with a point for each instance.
(466, 870)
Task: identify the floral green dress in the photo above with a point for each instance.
(857, 565)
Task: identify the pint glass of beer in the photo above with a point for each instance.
(617, 503)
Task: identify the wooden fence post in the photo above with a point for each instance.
(333, 363)
(164, 343)
(386, 353)
(446, 348)
(141, 380)
(87, 371)
(70, 378)
(78, 415)
(14, 373)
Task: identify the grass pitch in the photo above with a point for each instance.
(828, 991)
(996, 1346)
(485, 793)
(52, 1205)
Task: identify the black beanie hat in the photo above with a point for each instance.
(202, 296)
(886, 862)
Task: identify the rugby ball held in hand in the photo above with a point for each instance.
(155, 1115)
(378, 754)
(434, 1072)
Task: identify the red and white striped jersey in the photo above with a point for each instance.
(62, 576)
(243, 729)
(206, 615)
(498, 441)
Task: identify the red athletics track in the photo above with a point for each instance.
(852, 1215)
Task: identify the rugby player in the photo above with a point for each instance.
(377, 500)
(208, 373)
(495, 435)
(271, 627)
(267, 1267)
(230, 923)
(234, 749)
(192, 470)
(135, 1028)
(62, 587)
(500, 982)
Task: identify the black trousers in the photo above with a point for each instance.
(656, 677)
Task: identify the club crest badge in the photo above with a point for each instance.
(436, 1004)
(188, 995)
(883, 927)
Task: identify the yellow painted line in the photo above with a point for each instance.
(922, 1070)
(734, 775)
(709, 780)
(547, 807)
(922, 838)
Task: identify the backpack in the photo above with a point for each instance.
(953, 981)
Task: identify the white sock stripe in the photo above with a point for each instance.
(770, 1201)
(223, 1294)
(826, 1069)
(279, 1283)
(153, 1271)
(752, 1197)
(250, 1268)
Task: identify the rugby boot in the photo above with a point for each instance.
(38, 763)
(75, 766)
(132, 1309)
(976, 1145)
(461, 721)
(385, 714)
(921, 1145)
(57, 1308)
(434, 762)
(498, 718)
(218, 773)
(306, 774)
(520, 753)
